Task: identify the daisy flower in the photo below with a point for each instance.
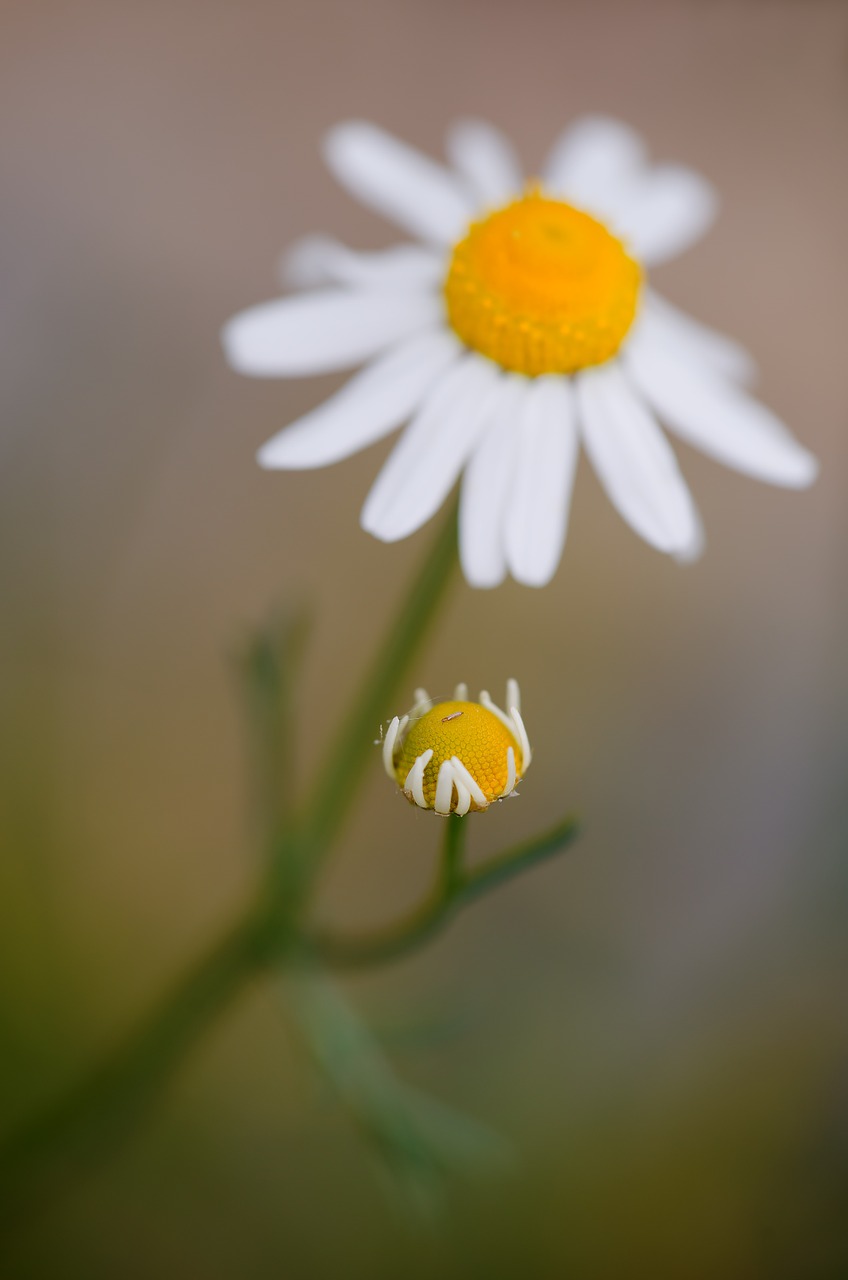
(458, 755)
(519, 327)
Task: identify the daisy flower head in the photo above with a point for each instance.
(520, 326)
(457, 756)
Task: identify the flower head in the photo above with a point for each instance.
(522, 327)
(458, 755)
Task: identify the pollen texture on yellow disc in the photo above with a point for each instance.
(540, 287)
(471, 733)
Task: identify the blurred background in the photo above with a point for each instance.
(655, 1022)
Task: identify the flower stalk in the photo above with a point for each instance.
(348, 760)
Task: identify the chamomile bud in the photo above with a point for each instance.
(458, 756)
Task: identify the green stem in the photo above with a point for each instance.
(89, 1121)
(417, 1138)
(85, 1125)
(453, 853)
(268, 669)
(451, 893)
(349, 757)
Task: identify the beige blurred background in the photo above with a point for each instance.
(657, 1021)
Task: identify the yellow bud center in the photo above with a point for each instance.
(540, 287)
(468, 731)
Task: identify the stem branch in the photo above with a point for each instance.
(451, 893)
(90, 1120)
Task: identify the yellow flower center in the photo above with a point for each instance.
(468, 731)
(540, 287)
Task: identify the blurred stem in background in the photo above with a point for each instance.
(46, 1155)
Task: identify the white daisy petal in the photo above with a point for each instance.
(486, 161)
(321, 260)
(463, 798)
(634, 461)
(694, 548)
(513, 695)
(424, 465)
(414, 785)
(599, 165)
(392, 734)
(369, 406)
(461, 774)
(716, 417)
(486, 701)
(485, 486)
(421, 701)
(444, 788)
(696, 341)
(523, 740)
(322, 332)
(664, 211)
(593, 162)
(510, 773)
(398, 181)
(538, 506)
